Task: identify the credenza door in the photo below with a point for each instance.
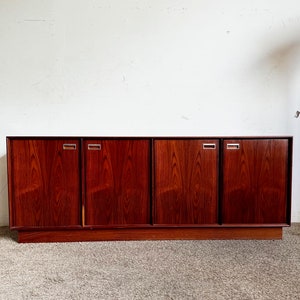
(255, 181)
(117, 182)
(186, 181)
(44, 182)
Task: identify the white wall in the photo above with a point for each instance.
(149, 67)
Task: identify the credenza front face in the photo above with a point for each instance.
(109, 188)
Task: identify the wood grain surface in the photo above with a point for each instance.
(186, 182)
(117, 182)
(255, 181)
(44, 183)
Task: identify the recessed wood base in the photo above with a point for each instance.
(121, 234)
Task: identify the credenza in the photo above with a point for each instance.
(64, 189)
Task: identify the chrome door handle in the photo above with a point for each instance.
(209, 146)
(69, 146)
(94, 147)
(233, 146)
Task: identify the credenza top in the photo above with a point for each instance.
(151, 137)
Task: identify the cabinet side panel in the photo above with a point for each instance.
(255, 182)
(10, 182)
(186, 181)
(117, 176)
(44, 183)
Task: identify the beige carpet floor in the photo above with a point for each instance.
(208, 270)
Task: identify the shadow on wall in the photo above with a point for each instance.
(3, 192)
(281, 67)
(279, 55)
(273, 81)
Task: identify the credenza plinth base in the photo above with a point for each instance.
(122, 234)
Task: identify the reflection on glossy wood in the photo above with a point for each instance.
(44, 183)
(186, 182)
(117, 182)
(255, 182)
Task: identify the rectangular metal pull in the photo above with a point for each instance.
(69, 146)
(209, 146)
(94, 146)
(233, 146)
